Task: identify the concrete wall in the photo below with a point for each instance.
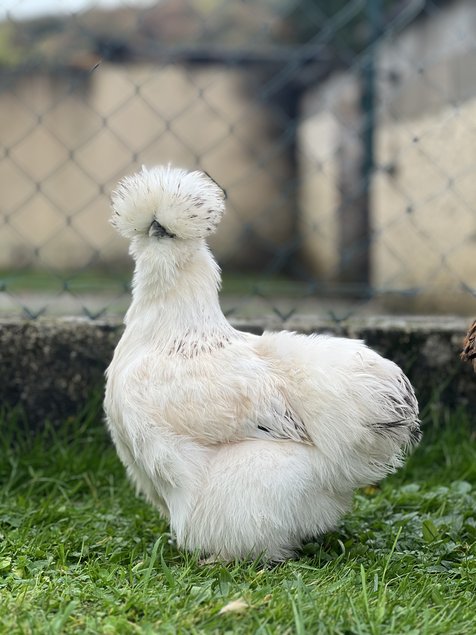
(423, 212)
(330, 154)
(76, 352)
(69, 138)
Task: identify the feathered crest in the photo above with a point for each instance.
(188, 204)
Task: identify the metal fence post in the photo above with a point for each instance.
(355, 225)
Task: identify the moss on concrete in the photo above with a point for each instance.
(52, 368)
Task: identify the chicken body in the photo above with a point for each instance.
(248, 444)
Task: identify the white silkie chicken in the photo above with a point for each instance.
(248, 444)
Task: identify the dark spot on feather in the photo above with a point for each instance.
(398, 428)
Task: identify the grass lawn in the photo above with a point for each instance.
(79, 553)
(101, 281)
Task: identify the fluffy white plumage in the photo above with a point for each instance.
(248, 444)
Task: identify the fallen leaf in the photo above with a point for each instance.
(236, 606)
(370, 490)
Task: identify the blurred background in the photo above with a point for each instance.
(343, 131)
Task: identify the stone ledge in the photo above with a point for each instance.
(52, 367)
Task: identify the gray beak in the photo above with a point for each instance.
(157, 231)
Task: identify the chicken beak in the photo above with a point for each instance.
(157, 231)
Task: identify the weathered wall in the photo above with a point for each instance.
(69, 138)
(51, 368)
(423, 214)
(424, 210)
(330, 155)
(424, 198)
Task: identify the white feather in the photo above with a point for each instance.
(249, 445)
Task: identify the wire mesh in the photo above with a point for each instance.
(343, 133)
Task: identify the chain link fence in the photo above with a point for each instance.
(344, 133)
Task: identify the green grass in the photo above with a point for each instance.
(100, 281)
(87, 281)
(79, 553)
